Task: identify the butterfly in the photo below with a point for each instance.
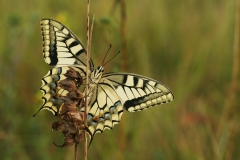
(109, 93)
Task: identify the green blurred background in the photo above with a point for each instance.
(187, 45)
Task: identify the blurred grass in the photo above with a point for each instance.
(187, 45)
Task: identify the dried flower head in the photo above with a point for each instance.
(72, 126)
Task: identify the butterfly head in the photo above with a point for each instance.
(97, 74)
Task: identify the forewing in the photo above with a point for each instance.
(138, 92)
(60, 46)
(105, 107)
(51, 89)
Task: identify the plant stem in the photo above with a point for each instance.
(231, 108)
(75, 151)
(86, 93)
(123, 35)
(124, 69)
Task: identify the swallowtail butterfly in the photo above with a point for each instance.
(109, 94)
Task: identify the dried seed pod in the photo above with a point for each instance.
(73, 74)
(69, 131)
(67, 84)
(73, 126)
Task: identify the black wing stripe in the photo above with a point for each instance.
(124, 79)
(135, 80)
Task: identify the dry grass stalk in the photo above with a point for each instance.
(122, 143)
(86, 88)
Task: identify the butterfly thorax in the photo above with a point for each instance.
(96, 75)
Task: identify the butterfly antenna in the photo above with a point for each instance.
(111, 58)
(110, 46)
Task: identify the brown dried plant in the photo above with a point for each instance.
(72, 126)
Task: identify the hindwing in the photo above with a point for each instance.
(51, 89)
(104, 108)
